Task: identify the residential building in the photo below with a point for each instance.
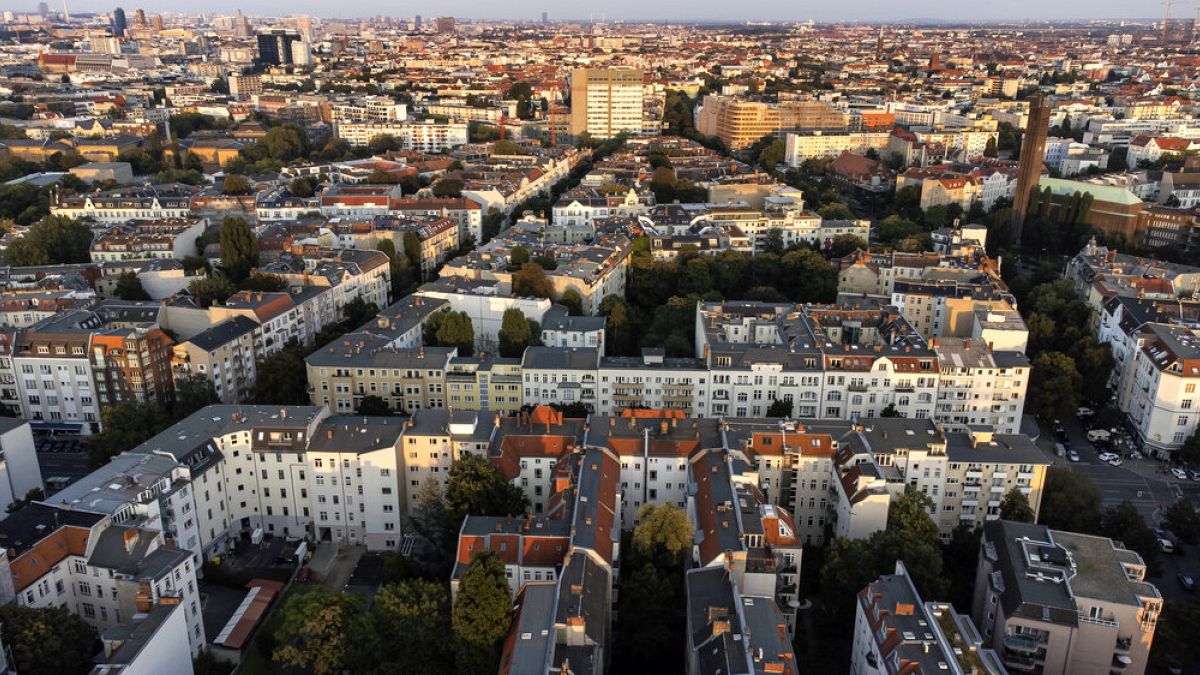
(1060, 602)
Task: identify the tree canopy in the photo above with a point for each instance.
(54, 240)
(663, 530)
(323, 631)
(482, 613)
(125, 426)
(47, 640)
(239, 247)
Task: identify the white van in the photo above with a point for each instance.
(1098, 435)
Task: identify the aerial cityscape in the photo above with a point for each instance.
(630, 338)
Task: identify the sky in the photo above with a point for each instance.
(675, 10)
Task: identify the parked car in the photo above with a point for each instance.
(284, 560)
(305, 574)
(1099, 435)
(1060, 430)
(1084, 411)
(1195, 473)
(1114, 460)
(1165, 545)
(1106, 457)
(1179, 473)
(1073, 456)
(1188, 583)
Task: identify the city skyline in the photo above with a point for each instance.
(871, 11)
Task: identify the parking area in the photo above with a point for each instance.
(274, 558)
(62, 460)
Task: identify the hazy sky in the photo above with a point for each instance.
(680, 10)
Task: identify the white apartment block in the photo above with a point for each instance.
(424, 136)
(801, 147)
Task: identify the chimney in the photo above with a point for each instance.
(329, 434)
(130, 539)
(664, 427)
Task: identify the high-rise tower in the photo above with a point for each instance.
(119, 24)
(1029, 168)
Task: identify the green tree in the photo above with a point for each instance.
(53, 240)
(125, 426)
(381, 143)
(373, 406)
(780, 408)
(412, 250)
(47, 640)
(264, 283)
(518, 256)
(1123, 523)
(357, 312)
(130, 288)
(1015, 506)
(211, 290)
(239, 248)
(530, 282)
(506, 147)
(1182, 519)
(1189, 453)
(843, 245)
(324, 632)
(991, 149)
(663, 533)
(482, 614)
(281, 378)
(303, 186)
(573, 301)
(448, 187)
(1175, 646)
(454, 329)
(475, 487)
(620, 330)
(514, 333)
(284, 143)
(1070, 502)
(413, 616)
(31, 495)
(193, 392)
(236, 185)
(1054, 386)
(836, 211)
(773, 241)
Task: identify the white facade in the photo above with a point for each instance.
(19, 469)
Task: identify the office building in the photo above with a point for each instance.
(606, 102)
(275, 46)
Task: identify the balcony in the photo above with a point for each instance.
(1023, 643)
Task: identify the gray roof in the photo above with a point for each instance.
(584, 358)
(535, 628)
(135, 559)
(133, 637)
(223, 333)
(120, 482)
(356, 434)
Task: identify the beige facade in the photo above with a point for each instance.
(606, 102)
(1059, 603)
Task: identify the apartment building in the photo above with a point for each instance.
(895, 632)
(1060, 602)
(54, 374)
(822, 144)
(1159, 386)
(607, 102)
(563, 623)
(141, 239)
(733, 629)
(113, 207)
(103, 571)
(595, 270)
(224, 354)
(739, 531)
(740, 123)
(361, 364)
(420, 136)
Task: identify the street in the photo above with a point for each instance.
(1145, 484)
